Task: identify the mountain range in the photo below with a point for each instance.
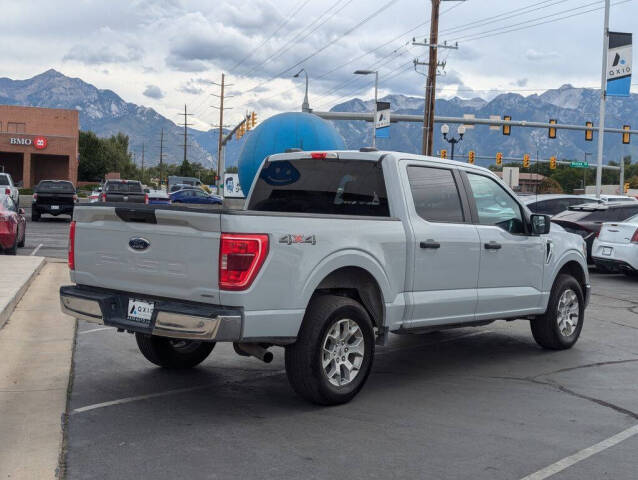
(105, 113)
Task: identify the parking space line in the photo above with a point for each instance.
(95, 330)
(166, 393)
(582, 455)
(36, 249)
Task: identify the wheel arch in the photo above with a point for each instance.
(575, 269)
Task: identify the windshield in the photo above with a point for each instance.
(340, 187)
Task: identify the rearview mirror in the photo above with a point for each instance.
(540, 224)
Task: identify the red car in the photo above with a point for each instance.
(13, 226)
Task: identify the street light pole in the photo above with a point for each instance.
(445, 129)
(601, 119)
(376, 88)
(305, 106)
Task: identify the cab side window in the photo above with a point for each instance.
(495, 206)
(435, 194)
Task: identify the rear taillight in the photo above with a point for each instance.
(634, 238)
(35, 197)
(103, 197)
(146, 198)
(7, 191)
(72, 246)
(240, 258)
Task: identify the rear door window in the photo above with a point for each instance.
(336, 187)
(435, 194)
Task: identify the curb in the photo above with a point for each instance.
(8, 310)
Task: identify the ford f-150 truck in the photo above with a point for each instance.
(332, 251)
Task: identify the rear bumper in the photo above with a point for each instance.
(171, 318)
(61, 210)
(615, 264)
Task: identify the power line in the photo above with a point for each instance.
(277, 30)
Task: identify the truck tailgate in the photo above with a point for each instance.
(180, 261)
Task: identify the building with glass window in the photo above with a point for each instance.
(38, 143)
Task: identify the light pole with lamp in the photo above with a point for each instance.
(305, 106)
(445, 129)
(376, 86)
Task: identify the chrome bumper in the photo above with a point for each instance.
(173, 319)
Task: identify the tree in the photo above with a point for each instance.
(549, 185)
(633, 181)
(101, 155)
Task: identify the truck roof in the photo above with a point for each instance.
(373, 156)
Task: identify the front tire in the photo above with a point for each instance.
(171, 352)
(332, 357)
(560, 326)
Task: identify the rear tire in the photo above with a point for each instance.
(173, 353)
(560, 326)
(332, 357)
(35, 216)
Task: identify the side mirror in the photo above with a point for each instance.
(540, 224)
(21, 211)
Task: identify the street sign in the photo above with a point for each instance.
(382, 120)
(579, 164)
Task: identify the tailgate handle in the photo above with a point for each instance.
(136, 215)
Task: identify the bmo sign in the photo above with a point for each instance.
(39, 143)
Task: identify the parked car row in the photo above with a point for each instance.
(616, 247)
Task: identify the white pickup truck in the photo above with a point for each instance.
(332, 251)
(7, 187)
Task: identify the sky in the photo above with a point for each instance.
(167, 53)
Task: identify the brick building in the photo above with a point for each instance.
(39, 143)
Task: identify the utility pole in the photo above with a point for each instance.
(220, 145)
(161, 158)
(603, 94)
(430, 84)
(186, 125)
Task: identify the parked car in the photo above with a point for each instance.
(616, 247)
(181, 186)
(158, 197)
(7, 187)
(174, 180)
(129, 191)
(334, 251)
(586, 220)
(55, 197)
(13, 225)
(618, 198)
(552, 204)
(195, 196)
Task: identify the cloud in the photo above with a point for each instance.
(106, 46)
(521, 82)
(536, 56)
(153, 91)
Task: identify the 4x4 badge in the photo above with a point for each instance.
(290, 239)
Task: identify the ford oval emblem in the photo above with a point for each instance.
(139, 243)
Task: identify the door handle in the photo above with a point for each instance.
(492, 245)
(430, 244)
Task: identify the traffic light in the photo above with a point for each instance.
(626, 188)
(443, 153)
(253, 119)
(499, 158)
(247, 122)
(526, 160)
(507, 128)
(552, 163)
(626, 134)
(471, 156)
(552, 130)
(240, 131)
(589, 134)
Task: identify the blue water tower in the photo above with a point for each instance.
(280, 132)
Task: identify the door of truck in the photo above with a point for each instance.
(511, 259)
(444, 246)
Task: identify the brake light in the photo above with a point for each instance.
(72, 246)
(634, 238)
(318, 155)
(103, 197)
(146, 198)
(35, 197)
(7, 191)
(240, 259)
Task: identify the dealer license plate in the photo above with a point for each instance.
(55, 207)
(140, 311)
(607, 251)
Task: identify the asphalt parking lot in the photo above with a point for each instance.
(479, 403)
(49, 237)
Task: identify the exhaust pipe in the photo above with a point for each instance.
(253, 350)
